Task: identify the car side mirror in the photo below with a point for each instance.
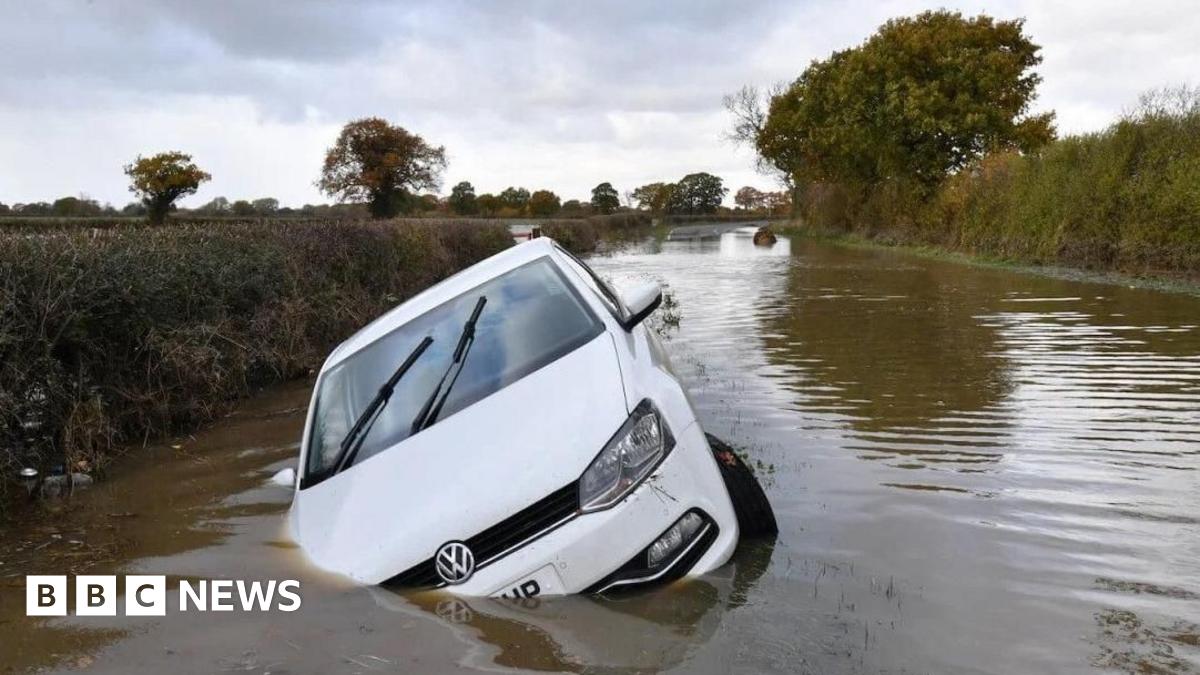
(641, 302)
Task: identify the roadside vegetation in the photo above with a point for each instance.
(923, 135)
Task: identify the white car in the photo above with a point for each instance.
(515, 430)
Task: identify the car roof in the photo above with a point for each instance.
(446, 289)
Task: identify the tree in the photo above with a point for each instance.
(75, 207)
(382, 164)
(515, 198)
(462, 199)
(749, 106)
(544, 203)
(32, 209)
(488, 204)
(750, 198)
(216, 207)
(605, 198)
(426, 203)
(923, 97)
(4, 209)
(265, 206)
(161, 179)
(653, 196)
(574, 208)
(242, 208)
(778, 203)
(697, 193)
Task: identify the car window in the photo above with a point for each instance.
(533, 317)
(602, 289)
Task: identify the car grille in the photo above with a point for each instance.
(504, 537)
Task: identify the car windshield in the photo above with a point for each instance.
(533, 317)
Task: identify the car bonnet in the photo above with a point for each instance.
(467, 472)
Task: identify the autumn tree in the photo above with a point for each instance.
(382, 164)
(750, 198)
(158, 181)
(923, 97)
(544, 203)
(462, 199)
(778, 203)
(653, 196)
(605, 198)
(697, 193)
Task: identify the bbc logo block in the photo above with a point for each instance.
(46, 595)
(95, 595)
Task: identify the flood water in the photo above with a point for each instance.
(974, 471)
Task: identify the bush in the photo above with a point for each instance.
(1127, 199)
(583, 235)
(112, 336)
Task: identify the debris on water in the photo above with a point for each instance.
(763, 236)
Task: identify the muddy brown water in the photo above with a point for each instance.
(974, 471)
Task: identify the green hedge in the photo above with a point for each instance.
(112, 336)
(1125, 199)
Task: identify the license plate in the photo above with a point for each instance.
(545, 581)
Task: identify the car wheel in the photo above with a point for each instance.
(754, 514)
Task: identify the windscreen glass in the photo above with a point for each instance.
(532, 317)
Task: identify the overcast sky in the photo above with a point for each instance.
(558, 95)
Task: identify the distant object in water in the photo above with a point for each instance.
(763, 236)
(63, 484)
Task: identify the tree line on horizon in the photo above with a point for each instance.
(381, 170)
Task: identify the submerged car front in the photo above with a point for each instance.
(543, 470)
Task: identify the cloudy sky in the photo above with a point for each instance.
(553, 94)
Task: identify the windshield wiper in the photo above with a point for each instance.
(354, 438)
(433, 405)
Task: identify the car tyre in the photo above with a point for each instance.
(755, 517)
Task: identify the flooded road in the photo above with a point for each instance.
(974, 471)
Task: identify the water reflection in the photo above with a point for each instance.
(894, 352)
(632, 633)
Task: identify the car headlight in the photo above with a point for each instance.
(632, 453)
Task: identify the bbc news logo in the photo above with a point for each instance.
(146, 595)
